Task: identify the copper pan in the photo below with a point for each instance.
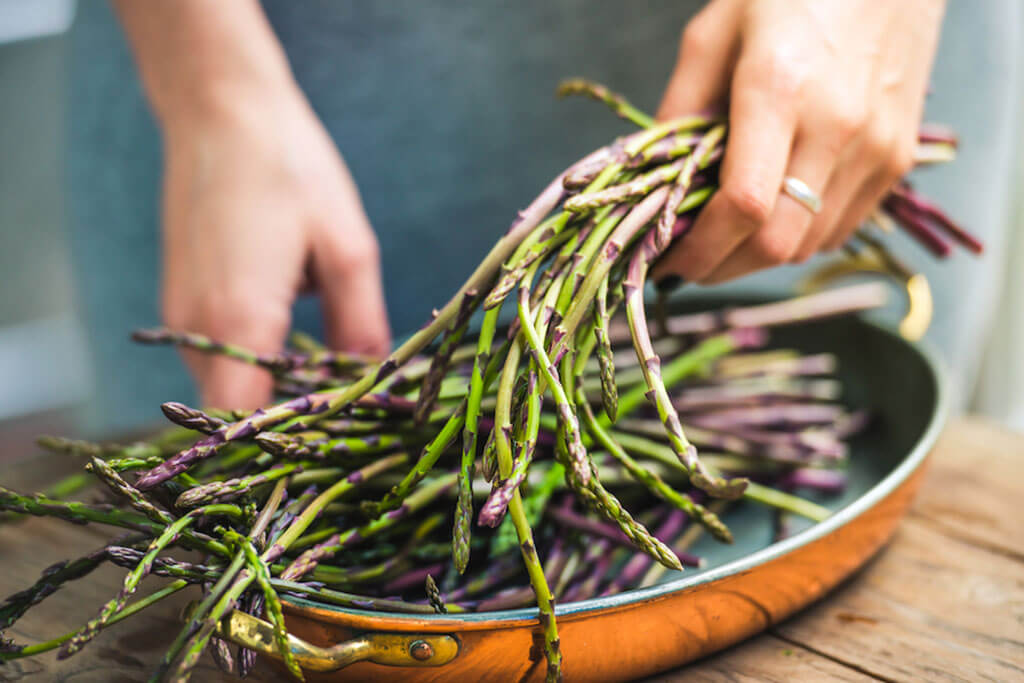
(744, 588)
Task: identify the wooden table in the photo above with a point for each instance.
(944, 601)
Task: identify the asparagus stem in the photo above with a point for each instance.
(464, 509)
(199, 342)
(833, 302)
(431, 385)
(650, 363)
(682, 544)
(567, 419)
(53, 577)
(192, 574)
(130, 610)
(545, 600)
(82, 513)
(605, 222)
(653, 482)
(386, 568)
(785, 501)
(641, 186)
(260, 525)
(666, 149)
(534, 505)
(609, 391)
(496, 505)
(131, 583)
(756, 492)
(258, 566)
(903, 195)
(102, 450)
(689, 166)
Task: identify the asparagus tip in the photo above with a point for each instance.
(8, 646)
(155, 335)
(718, 487)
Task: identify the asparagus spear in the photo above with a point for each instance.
(434, 596)
(431, 385)
(464, 508)
(131, 582)
(53, 577)
(258, 566)
(609, 391)
(232, 489)
(615, 101)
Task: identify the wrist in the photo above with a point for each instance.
(222, 96)
(203, 60)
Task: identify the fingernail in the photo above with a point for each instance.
(669, 283)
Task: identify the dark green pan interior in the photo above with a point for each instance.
(879, 372)
(899, 382)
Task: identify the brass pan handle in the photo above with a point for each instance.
(915, 286)
(392, 649)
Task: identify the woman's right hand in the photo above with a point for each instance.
(258, 206)
(829, 92)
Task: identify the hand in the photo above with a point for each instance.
(827, 91)
(258, 205)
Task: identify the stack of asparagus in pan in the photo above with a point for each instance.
(518, 464)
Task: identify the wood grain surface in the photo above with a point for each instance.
(944, 601)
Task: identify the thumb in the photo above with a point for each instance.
(347, 268)
(707, 55)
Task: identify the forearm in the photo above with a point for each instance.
(198, 57)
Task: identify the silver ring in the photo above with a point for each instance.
(798, 190)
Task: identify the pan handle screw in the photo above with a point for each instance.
(421, 650)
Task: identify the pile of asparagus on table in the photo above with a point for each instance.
(521, 463)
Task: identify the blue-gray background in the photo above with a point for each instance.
(445, 113)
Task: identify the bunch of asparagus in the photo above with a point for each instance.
(353, 482)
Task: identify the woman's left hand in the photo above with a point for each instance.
(829, 92)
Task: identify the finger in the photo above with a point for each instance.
(707, 54)
(222, 382)
(762, 125)
(348, 272)
(893, 157)
(854, 167)
(847, 182)
(784, 232)
(198, 364)
(229, 384)
(864, 201)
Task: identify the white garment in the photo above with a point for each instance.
(1000, 389)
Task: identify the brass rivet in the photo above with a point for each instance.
(421, 650)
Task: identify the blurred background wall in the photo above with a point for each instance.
(42, 364)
